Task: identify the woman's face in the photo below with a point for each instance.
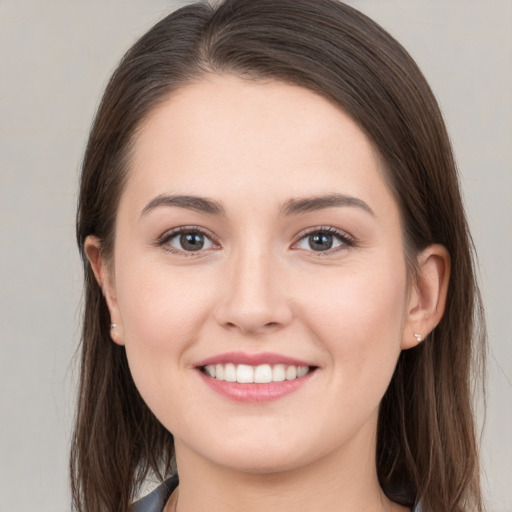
(257, 240)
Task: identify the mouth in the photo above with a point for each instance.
(255, 377)
(260, 374)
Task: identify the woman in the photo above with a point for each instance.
(280, 296)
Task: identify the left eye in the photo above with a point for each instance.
(319, 241)
(189, 241)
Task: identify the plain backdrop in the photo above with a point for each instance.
(55, 59)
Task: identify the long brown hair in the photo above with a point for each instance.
(426, 446)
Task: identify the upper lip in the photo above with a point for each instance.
(252, 359)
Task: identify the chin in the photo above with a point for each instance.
(261, 456)
(264, 462)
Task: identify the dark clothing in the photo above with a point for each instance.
(155, 501)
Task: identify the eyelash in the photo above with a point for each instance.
(344, 238)
(164, 240)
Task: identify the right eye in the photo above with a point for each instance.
(187, 240)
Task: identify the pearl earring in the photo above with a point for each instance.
(113, 326)
(418, 337)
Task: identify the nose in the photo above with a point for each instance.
(254, 299)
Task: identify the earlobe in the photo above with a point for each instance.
(427, 299)
(105, 280)
(116, 333)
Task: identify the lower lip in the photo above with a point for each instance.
(254, 393)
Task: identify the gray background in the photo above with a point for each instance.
(56, 56)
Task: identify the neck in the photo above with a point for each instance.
(345, 481)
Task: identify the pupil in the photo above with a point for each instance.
(320, 241)
(192, 241)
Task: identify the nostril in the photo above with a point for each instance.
(249, 325)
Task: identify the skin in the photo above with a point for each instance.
(259, 286)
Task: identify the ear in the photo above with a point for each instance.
(103, 274)
(427, 299)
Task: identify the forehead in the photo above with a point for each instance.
(261, 141)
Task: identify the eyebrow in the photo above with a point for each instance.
(290, 207)
(310, 204)
(198, 204)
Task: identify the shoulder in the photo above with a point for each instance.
(155, 501)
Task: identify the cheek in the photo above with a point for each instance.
(358, 321)
(160, 306)
(162, 312)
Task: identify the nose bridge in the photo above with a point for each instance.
(254, 298)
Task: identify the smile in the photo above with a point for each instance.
(256, 377)
(261, 374)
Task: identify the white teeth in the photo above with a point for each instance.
(230, 373)
(262, 374)
(302, 370)
(291, 372)
(278, 373)
(244, 373)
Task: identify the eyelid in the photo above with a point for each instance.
(171, 233)
(346, 239)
